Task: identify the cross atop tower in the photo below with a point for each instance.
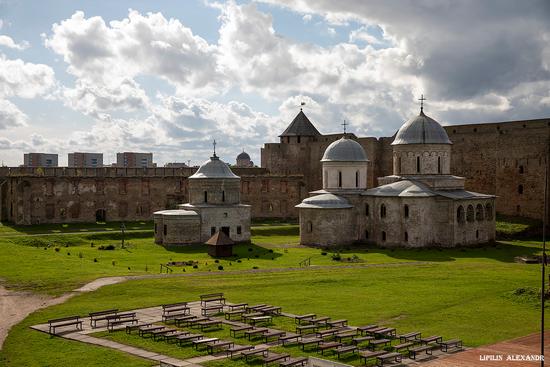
(422, 99)
(214, 144)
(344, 125)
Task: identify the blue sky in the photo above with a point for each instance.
(170, 76)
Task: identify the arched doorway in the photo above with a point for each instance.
(100, 215)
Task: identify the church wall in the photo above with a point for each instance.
(179, 230)
(348, 171)
(429, 158)
(327, 227)
(214, 218)
(218, 191)
(474, 226)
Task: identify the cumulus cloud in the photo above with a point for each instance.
(8, 42)
(10, 115)
(23, 79)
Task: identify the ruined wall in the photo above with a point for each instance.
(64, 195)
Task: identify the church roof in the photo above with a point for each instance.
(421, 129)
(220, 239)
(243, 155)
(214, 168)
(301, 126)
(411, 188)
(176, 212)
(324, 201)
(344, 150)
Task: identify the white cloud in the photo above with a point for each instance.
(22, 79)
(307, 18)
(10, 115)
(8, 42)
(362, 34)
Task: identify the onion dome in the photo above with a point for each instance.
(214, 168)
(421, 129)
(344, 150)
(325, 201)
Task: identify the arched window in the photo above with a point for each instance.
(418, 164)
(205, 196)
(356, 178)
(165, 231)
(521, 169)
(367, 210)
(399, 165)
(489, 211)
(382, 211)
(460, 214)
(383, 236)
(406, 237)
(470, 213)
(477, 233)
(339, 178)
(309, 227)
(223, 196)
(520, 189)
(438, 164)
(367, 234)
(479, 212)
(299, 140)
(406, 211)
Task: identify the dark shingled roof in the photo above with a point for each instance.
(301, 126)
(219, 239)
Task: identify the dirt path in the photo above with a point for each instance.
(16, 306)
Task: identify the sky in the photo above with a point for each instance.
(168, 77)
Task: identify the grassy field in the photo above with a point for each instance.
(477, 294)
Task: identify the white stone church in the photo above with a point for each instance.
(421, 205)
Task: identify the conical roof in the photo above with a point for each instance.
(220, 239)
(301, 126)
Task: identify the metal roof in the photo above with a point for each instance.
(243, 155)
(325, 201)
(411, 188)
(301, 126)
(421, 129)
(214, 168)
(344, 150)
(176, 212)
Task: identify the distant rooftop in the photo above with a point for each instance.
(301, 126)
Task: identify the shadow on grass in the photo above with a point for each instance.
(240, 251)
(8, 228)
(499, 251)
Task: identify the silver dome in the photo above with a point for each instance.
(214, 168)
(324, 201)
(421, 129)
(344, 150)
(243, 155)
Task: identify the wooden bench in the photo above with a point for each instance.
(453, 343)
(361, 339)
(273, 334)
(319, 320)
(246, 316)
(142, 331)
(199, 342)
(299, 319)
(64, 321)
(345, 335)
(289, 337)
(210, 324)
(237, 349)
(237, 329)
(132, 327)
(255, 307)
(218, 345)
(184, 319)
(236, 306)
(173, 336)
(121, 319)
(211, 310)
(327, 346)
(195, 321)
(401, 346)
(261, 319)
(366, 329)
(410, 336)
(161, 333)
(373, 331)
(212, 297)
(377, 342)
(230, 314)
(301, 329)
(388, 332)
(255, 332)
(274, 357)
(292, 362)
(345, 349)
(274, 310)
(330, 332)
(309, 341)
(188, 338)
(335, 323)
(174, 310)
(366, 355)
(254, 352)
(100, 316)
(413, 352)
(393, 356)
(431, 339)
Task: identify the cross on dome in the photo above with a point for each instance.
(422, 99)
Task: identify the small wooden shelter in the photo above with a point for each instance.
(220, 245)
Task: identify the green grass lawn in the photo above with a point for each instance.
(477, 294)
